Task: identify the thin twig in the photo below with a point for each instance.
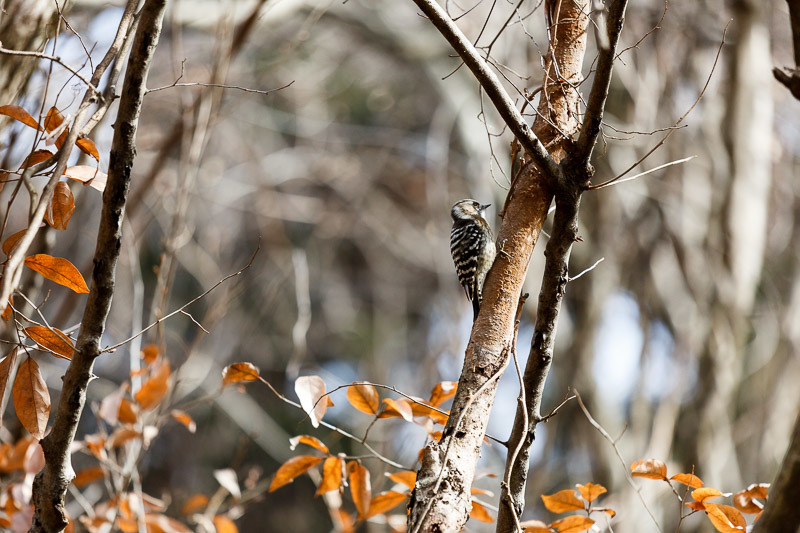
(54, 59)
(187, 304)
(631, 178)
(220, 85)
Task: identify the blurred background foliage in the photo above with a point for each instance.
(683, 341)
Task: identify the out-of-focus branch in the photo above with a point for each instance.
(491, 84)
(51, 483)
(791, 77)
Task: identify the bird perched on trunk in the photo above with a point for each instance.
(472, 247)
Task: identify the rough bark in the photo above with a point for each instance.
(577, 172)
(51, 483)
(441, 500)
(782, 512)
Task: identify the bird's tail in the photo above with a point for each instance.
(476, 306)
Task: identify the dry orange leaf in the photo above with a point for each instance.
(155, 388)
(591, 491)
(725, 518)
(194, 504)
(314, 442)
(109, 406)
(149, 353)
(9, 362)
(291, 469)
(18, 113)
(397, 408)
(61, 207)
(31, 398)
(442, 392)
(649, 468)
(88, 147)
(89, 176)
(238, 372)
(404, 477)
(51, 340)
(697, 506)
(364, 397)
(480, 513)
(688, 479)
(54, 119)
(159, 523)
(563, 501)
(87, 476)
(573, 524)
(123, 435)
(11, 242)
(7, 311)
(128, 412)
(331, 475)
(310, 390)
(360, 488)
(36, 157)
(385, 501)
(704, 493)
(223, 524)
(745, 500)
(535, 526)
(184, 419)
(59, 270)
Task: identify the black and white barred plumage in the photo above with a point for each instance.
(472, 247)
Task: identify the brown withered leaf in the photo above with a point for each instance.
(239, 372)
(364, 397)
(535, 526)
(87, 476)
(149, 353)
(442, 392)
(9, 362)
(31, 398)
(690, 480)
(404, 477)
(331, 475)
(61, 207)
(725, 518)
(292, 468)
(54, 119)
(573, 524)
(59, 270)
(128, 412)
(194, 504)
(223, 524)
(11, 242)
(51, 340)
(184, 419)
(154, 389)
(386, 501)
(308, 440)
(8, 309)
(109, 406)
(18, 113)
(36, 157)
(480, 513)
(360, 487)
(87, 146)
(310, 390)
(591, 491)
(563, 501)
(123, 435)
(400, 408)
(745, 500)
(89, 176)
(704, 493)
(649, 468)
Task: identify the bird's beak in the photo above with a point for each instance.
(483, 207)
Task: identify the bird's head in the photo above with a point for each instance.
(468, 210)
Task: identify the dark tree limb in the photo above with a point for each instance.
(790, 77)
(50, 485)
